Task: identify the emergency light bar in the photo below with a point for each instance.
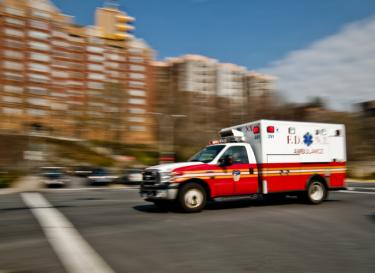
(232, 136)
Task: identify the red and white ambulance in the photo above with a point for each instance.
(264, 157)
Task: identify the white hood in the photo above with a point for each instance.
(171, 166)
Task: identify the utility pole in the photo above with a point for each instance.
(161, 119)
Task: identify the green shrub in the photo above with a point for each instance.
(7, 178)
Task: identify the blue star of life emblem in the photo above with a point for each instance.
(308, 139)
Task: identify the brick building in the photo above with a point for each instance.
(62, 79)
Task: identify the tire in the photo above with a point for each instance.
(192, 198)
(162, 204)
(316, 192)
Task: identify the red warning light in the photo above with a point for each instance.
(256, 130)
(270, 129)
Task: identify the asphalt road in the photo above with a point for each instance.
(248, 236)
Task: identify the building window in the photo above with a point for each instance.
(38, 78)
(40, 13)
(139, 93)
(96, 76)
(12, 99)
(13, 76)
(39, 24)
(74, 38)
(14, 43)
(58, 94)
(136, 101)
(60, 74)
(96, 58)
(62, 54)
(136, 119)
(38, 34)
(137, 68)
(94, 49)
(13, 89)
(137, 128)
(36, 112)
(136, 111)
(77, 48)
(94, 93)
(95, 85)
(60, 43)
(115, 57)
(37, 90)
(136, 59)
(39, 46)
(13, 54)
(14, 21)
(135, 50)
(13, 11)
(14, 32)
(38, 102)
(13, 65)
(114, 74)
(136, 76)
(12, 111)
(96, 67)
(39, 67)
(112, 65)
(40, 57)
(59, 34)
(136, 84)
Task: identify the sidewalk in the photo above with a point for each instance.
(26, 183)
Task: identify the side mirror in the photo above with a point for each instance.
(225, 161)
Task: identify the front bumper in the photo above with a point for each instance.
(159, 192)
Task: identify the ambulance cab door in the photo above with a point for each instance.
(241, 173)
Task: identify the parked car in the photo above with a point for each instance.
(131, 176)
(54, 176)
(100, 176)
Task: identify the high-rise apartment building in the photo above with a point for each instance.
(76, 81)
(210, 95)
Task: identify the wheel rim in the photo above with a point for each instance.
(193, 198)
(316, 191)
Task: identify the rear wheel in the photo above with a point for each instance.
(192, 197)
(316, 192)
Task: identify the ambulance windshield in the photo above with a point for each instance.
(207, 154)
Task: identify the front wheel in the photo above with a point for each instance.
(316, 192)
(192, 197)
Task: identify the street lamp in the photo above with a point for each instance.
(172, 118)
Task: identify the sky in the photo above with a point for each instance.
(304, 43)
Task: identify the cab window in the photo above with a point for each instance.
(238, 154)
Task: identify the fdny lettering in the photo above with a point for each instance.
(293, 139)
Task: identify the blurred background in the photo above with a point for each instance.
(97, 98)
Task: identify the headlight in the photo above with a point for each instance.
(165, 177)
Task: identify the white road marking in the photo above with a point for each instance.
(89, 189)
(75, 253)
(361, 188)
(363, 192)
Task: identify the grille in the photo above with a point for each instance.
(150, 177)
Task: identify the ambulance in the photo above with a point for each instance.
(262, 158)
